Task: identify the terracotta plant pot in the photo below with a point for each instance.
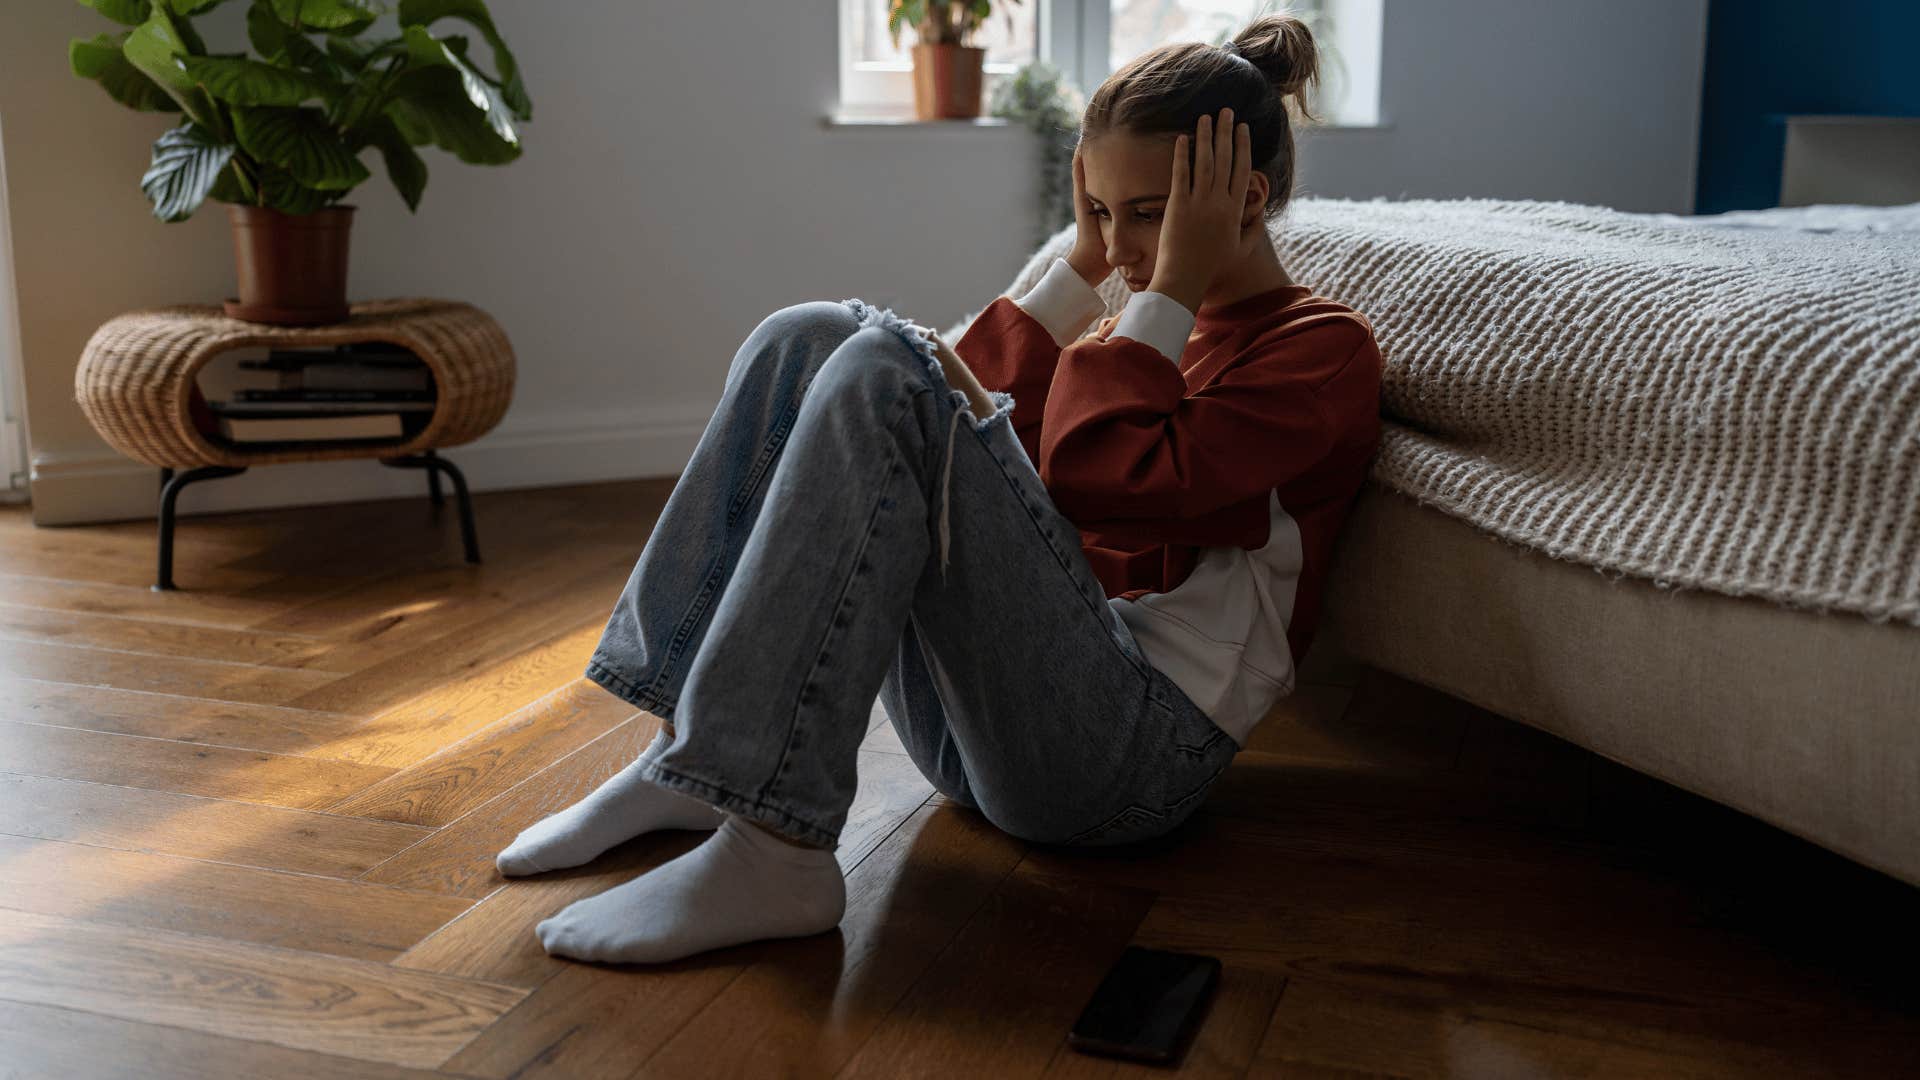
(946, 81)
(292, 268)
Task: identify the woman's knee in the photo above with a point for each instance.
(812, 328)
(810, 320)
(876, 365)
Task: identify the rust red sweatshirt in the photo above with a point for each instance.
(1208, 459)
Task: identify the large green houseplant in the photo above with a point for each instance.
(278, 135)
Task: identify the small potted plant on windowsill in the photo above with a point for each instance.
(278, 138)
(947, 70)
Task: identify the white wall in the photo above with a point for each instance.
(678, 185)
(1592, 101)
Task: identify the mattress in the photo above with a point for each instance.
(1807, 720)
(1727, 408)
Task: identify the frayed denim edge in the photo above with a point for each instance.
(907, 331)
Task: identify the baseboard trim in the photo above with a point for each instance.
(545, 451)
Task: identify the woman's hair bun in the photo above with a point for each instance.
(1282, 48)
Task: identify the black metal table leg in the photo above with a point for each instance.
(170, 485)
(435, 465)
(433, 482)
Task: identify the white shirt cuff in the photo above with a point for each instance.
(1156, 319)
(1063, 302)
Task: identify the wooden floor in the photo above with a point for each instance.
(247, 830)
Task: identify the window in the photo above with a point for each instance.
(1088, 39)
(1347, 32)
(876, 77)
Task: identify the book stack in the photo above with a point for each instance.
(362, 390)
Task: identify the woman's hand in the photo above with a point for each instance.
(1201, 231)
(1089, 255)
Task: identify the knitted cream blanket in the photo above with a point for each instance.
(1727, 409)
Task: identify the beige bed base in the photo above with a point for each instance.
(1809, 721)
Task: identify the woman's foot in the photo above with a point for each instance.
(620, 809)
(742, 884)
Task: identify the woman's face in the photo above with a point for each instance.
(1127, 180)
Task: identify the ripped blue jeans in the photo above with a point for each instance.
(847, 529)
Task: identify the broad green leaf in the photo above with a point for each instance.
(250, 82)
(155, 48)
(347, 52)
(189, 36)
(124, 12)
(193, 7)
(422, 12)
(299, 141)
(102, 61)
(280, 45)
(265, 32)
(365, 99)
(186, 162)
(307, 56)
(288, 195)
(405, 167)
(425, 49)
(324, 14)
(370, 90)
(232, 187)
(431, 106)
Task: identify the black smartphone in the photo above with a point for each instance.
(1148, 1006)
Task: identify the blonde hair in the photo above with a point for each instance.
(1164, 92)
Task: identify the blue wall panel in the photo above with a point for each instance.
(1767, 58)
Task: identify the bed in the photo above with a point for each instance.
(1648, 482)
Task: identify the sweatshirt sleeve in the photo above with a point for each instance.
(1014, 345)
(1122, 437)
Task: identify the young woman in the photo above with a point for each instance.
(1076, 569)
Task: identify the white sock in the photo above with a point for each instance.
(740, 885)
(623, 807)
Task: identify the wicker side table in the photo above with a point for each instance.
(136, 382)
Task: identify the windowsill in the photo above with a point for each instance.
(1339, 129)
(908, 120)
(882, 121)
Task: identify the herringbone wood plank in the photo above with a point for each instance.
(241, 726)
(121, 633)
(42, 1040)
(492, 761)
(248, 829)
(217, 772)
(304, 1000)
(190, 826)
(240, 903)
